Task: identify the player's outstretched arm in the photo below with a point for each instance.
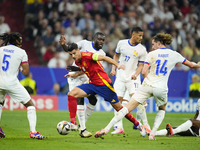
(116, 58)
(62, 42)
(192, 64)
(73, 68)
(74, 75)
(97, 57)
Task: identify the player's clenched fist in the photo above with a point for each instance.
(62, 40)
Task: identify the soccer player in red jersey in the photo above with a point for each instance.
(99, 82)
(76, 107)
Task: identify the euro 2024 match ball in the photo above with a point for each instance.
(63, 127)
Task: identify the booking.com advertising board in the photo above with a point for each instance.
(175, 105)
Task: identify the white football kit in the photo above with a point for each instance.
(11, 58)
(130, 56)
(161, 63)
(84, 46)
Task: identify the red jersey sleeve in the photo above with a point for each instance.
(93, 69)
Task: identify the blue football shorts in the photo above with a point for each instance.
(106, 91)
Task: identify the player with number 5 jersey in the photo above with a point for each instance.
(11, 58)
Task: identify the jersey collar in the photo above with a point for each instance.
(94, 47)
(130, 43)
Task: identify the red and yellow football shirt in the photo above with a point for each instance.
(93, 69)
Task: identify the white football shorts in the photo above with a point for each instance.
(145, 92)
(127, 96)
(17, 93)
(121, 87)
(73, 82)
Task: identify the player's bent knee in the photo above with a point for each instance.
(29, 103)
(162, 107)
(80, 101)
(117, 106)
(71, 93)
(92, 100)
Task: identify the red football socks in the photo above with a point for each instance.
(131, 118)
(72, 106)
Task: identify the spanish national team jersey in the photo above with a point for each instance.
(161, 62)
(93, 69)
(11, 58)
(130, 56)
(86, 46)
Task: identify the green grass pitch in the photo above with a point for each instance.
(16, 127)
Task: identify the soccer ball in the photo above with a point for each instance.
(63, 127)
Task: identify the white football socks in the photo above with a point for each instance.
(31, 114)
(183, 127)
(119, 115)
(139, 113)
(88, 111)
(162, 132)
(81, 116)
(158, 120)
(119, 124)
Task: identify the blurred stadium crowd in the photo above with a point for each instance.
(47, 20)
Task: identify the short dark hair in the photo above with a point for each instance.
(11, 38)
(98, 33)
(72, 46)
(136, 29)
